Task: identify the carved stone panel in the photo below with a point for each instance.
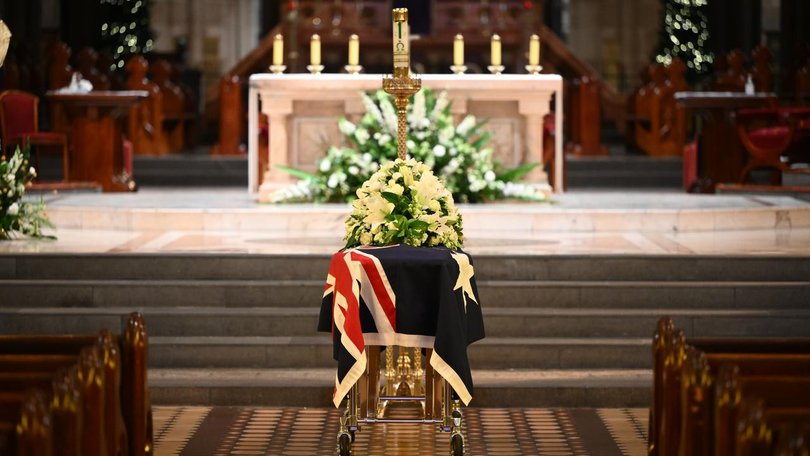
(312, 137)
(505, 142)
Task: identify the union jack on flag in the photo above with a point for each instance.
(402, 295)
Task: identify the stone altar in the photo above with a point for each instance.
(302, 112)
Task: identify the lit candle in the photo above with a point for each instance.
(534, 50)
(315, 50)
(354, 50)
(402, 44)
(278, 50)
(458, 50)
(495, 54)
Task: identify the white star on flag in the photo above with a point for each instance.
(465, 273)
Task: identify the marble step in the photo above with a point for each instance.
(499, 322)
(313, 387)
(230, 266)
(316, 351)
(492, 293)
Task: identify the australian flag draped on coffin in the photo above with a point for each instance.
(407, 296)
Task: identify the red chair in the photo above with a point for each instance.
(19, 125)
(766, 134)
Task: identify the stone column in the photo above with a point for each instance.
(533, 110)
(276, 109)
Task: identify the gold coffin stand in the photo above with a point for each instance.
(400, 392)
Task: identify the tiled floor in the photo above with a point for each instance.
(192, 431)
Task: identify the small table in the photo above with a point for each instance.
(721, 156)
(93, 124)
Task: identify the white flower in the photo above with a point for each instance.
(489, 176)
(346, 127)
(419, 110)
(365, 238)
(384, 139)
(324, 165)
(390, 115)
(32, 171)
(395, 189)
(441, 103)
(378, 209)
(362, 136)
(427, 188)
(353, 170)
(407, 175)
(464, 127)
(371, 108)
(439, 150)
(434, 206)
(333, 181)
(13, 210)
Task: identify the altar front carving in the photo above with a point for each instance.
(302, 112)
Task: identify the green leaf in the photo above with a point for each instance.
(418, 225)
(514, 174)
(298, 173)
(392, 198)
(483, 139)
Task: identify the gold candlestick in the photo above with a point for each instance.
(401, 85)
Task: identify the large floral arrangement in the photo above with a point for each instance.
(457, 154)
(404, 203)
(17, 216)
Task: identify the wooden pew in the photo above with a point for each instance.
(709, 400)
(669, 354)
(30, 434)
(175, 105)
(732, 78)
(761, 73)
(146, 120)
(231, 117)
(586, 120)
(87, 63)
(783, 398)
(124, 372)
(661, 124)
(60, 71)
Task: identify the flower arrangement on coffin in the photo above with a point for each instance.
(457, 154)
(17, 216)
(404, 203)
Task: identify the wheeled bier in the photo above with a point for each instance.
(383, 388)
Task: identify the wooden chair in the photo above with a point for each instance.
(19, 125)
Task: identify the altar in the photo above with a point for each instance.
(302, 112)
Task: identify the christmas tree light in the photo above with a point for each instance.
(125, 29)
(685, 34)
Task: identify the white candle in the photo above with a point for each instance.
(401, 41)
(278, 50)
(534, 50)
(495, 54)
(354, 50)
(458, 50)
(315, 50)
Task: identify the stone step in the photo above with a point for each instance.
(313, 387)
(316, 351)
(229, 266)
(493, 294)
(499, 322)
